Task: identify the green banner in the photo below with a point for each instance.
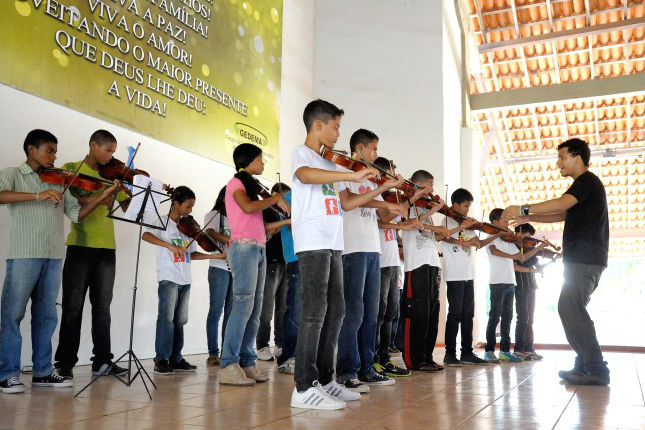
(203, 75)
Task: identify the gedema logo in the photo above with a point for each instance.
(251, 134)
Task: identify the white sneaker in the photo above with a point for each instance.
(340, 392)
(265, 354)
(277, 352)
(315, 398)
(288, 367)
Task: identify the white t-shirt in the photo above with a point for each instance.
(219, 223)
(420, 248)
(169, 267)
(360, 225)
(501, 269)
(458, 261)
(316, 215)
(389, 246)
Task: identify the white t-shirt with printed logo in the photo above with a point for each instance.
(389, 246)
(420, 248)
(501, 268)
(316, 214)
(169, 267)
(458, 261)
(360, 225)
(219, 223)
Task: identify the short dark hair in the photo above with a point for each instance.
(495, 214)
(102, 137)
(182, 193)
(320, 110)
(579, 147)
(382, 163)
(525, 228)
(244, 154)
(36, 138)
(361, 136)
(461, 195)
(421, 176)
(280, 188)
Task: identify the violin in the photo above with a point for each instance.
(527, 243)
(265, 193)
(189, 227)
(547, 253)
(63, 177)
(116, 169)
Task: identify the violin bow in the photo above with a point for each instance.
(65, 188)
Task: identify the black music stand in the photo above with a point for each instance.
(149, 199)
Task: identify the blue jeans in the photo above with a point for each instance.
(501, 305)
(37, 279)
(357, 338)
(292, 313)
(171, 318)
(248, 266)
(221, 294)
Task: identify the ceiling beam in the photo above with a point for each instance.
(568, 91)
(562, 35)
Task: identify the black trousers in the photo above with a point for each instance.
(387, 311)
(461, 311)
(86, 269)
(274, 302)
(420, 315)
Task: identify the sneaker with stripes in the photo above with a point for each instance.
(315, 398)
(340, 392)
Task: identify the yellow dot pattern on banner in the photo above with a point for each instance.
(238, 78)
(56, 53)
(256, 14)
(233, 1)
(256, 111)
(63, 60)
(275, 16)
(23, 8)
(206, 70)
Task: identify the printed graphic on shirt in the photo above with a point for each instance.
(180, 242)
(332, 205)
(389, 235)
(462, 239)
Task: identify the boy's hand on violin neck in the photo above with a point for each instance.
(394, 183)
(51, 195)
(108, 192)
(364, 174)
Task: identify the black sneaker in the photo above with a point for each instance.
(472, 359)
(183, 366)
(66, 374)
(375, 379)
(108, 369)
(391, 370)
(356, 386)
(53, 380)
(162, 367)
(393, 350)
(588, 378)
(12, 385)
(451, 360)
(564, 374)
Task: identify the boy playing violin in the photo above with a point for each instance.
(318, 195)
(501, 255)
(35, 259)
(90, 264)
(459, 274)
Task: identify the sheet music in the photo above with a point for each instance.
(150, 213)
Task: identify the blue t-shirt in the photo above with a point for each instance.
(287, 238)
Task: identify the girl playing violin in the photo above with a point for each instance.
(35, 259)
(174, 254)
(247, 260)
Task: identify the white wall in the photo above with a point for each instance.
(21, 112)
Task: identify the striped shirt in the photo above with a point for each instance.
(37, 227)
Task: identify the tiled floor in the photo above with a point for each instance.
(526, 396)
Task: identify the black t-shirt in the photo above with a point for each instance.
(274, 244)
(586, 226)
(525, 279)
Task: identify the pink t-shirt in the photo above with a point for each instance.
(243, 225)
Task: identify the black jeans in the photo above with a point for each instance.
(323, 309)
(501, 305)
(420, 315)
(387, 311)
(273, 305)
(461, 311)
(580, 281)
(86, 269)
(524, 308)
